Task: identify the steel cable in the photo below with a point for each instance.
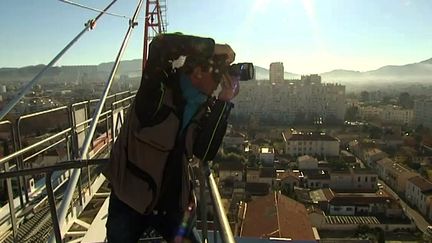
(89, 25)
(85, 147)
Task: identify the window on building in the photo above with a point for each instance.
(358, 179)
(373, 179)
(366, 179)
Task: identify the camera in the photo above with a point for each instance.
(244, 70)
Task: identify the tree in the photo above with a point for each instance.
(405, 100)
(252, 159)
(352, 113)
(234, 157)
(232, 150)
(375, 132)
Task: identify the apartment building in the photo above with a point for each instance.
(418, 192)
(360, 180)
(394, 174)
(311, 144)
(423, 113)
(397, 115)
(370, 112)
(305, 100)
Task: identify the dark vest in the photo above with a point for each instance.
(149, 164)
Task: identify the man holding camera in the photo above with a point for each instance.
(149, 163)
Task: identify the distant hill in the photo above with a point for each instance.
(415, 72)
(128, 67)
(263, 74)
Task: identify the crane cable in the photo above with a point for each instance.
(93, 9)
(88, 26)
(73, 179)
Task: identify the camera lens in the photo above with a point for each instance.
(244, 70)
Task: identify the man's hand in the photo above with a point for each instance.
(230, 87)
(225, 49)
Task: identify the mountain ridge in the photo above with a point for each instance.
(410, 72)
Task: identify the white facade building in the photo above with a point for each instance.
(397, 115)
(394, 175)
(418, 192)
(311, 144)
(354, 180)
(291, 101)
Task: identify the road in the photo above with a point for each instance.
(418, 219)
(411, 213)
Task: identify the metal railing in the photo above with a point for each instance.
(48, 171)
(24, 157)
(72, 133)
(221, 220)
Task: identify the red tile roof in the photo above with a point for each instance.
(276, 215)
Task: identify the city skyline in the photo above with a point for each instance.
(307, 36)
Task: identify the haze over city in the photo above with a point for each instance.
(307, 36)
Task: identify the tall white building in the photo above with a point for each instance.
(397, 115)
(306, 100)
(423, 113)
(276, 72)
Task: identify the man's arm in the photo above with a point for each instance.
(149, 96)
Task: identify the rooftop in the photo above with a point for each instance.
(423, 184)
(316, 174)
(266, 150)
(310, 137)
(275, 214)
(360, 198)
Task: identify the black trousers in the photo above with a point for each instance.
(125, 225)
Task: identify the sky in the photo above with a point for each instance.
(308, 36)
